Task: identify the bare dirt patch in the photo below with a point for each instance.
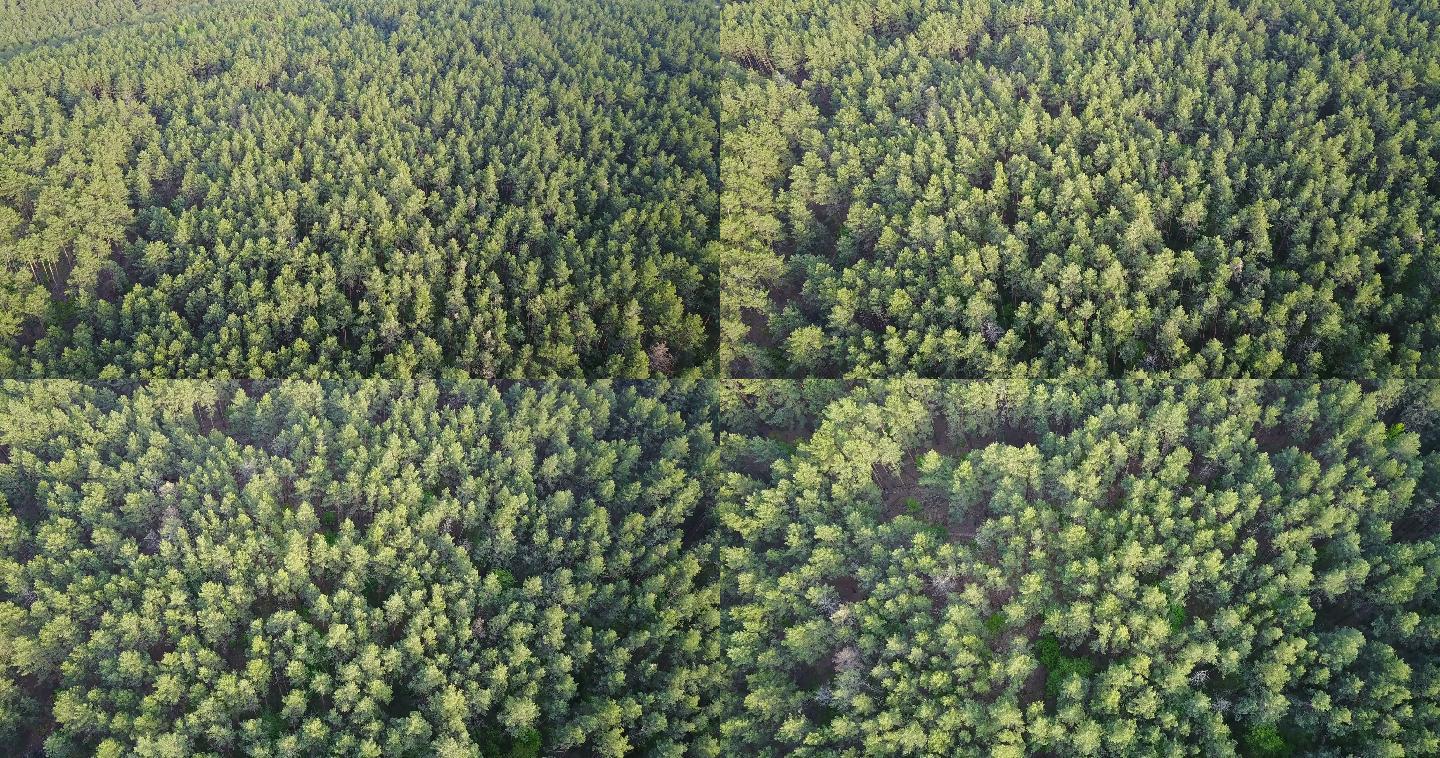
(1272, 441)
(945, 443)
(848, 588)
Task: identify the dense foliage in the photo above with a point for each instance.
(510, 188)
(973, 188)
(28, 22)
(1197, 568)
(398, 569)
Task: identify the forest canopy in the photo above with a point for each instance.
(984, 188)
(27, 22)
(1138, 568)
(206, 568)
(503, 188)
